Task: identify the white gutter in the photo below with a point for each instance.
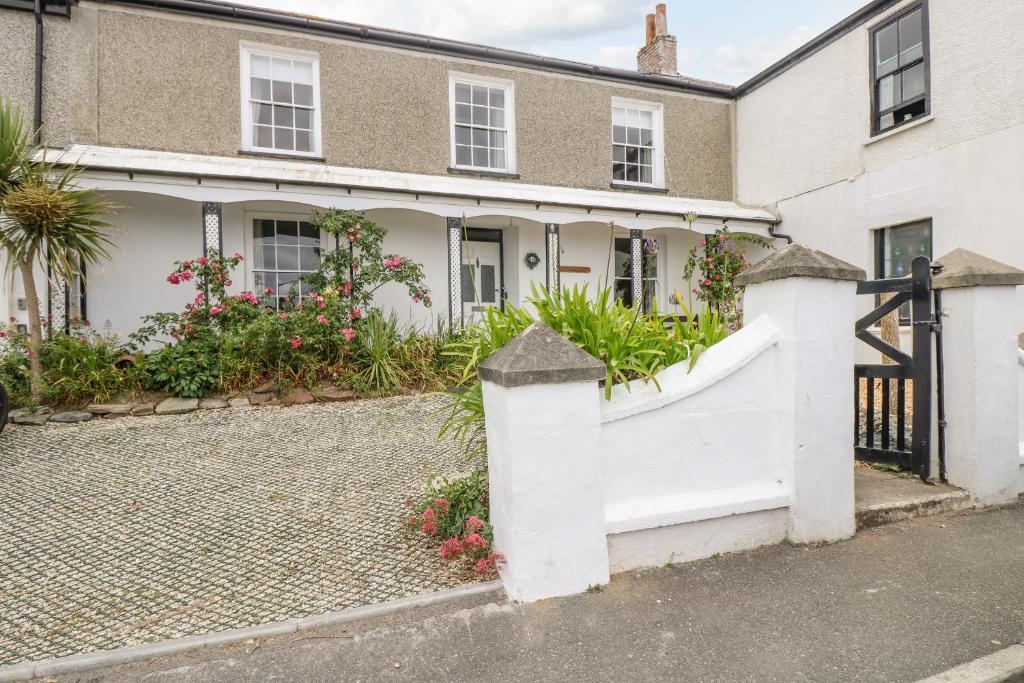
(318, 174)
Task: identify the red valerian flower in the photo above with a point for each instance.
(322, 319)
(429, 528)
(349, 333)
(476, 542)
(429, 514)
(451, 549)
(442, 505)
(474, 524)
(296, 342)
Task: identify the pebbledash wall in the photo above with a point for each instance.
(128, 77)
(805, 150)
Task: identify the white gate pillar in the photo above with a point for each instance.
(979, 338)
(544, 467)
(811, 298)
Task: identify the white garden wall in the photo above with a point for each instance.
(751, 447)
(1020, 424)
(700, 451)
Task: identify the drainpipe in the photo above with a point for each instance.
(779, 235)
(37, 122)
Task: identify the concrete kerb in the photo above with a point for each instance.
(1004, 665)
(125, 655)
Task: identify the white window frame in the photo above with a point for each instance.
(510, 119)
(658, 115)
(246, 50)
(249, 241)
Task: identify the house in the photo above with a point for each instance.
(217, 125)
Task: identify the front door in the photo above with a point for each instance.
(481, 277)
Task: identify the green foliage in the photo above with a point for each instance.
(718, 259)
(466, 497)
(81, 367)
(379, 351)
(359, 267)
(189, 368)
(14, 368)
(632, 345)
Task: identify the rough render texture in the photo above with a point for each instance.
(17, 70)
(964, 268)
(382, 109)
(797, 260)
(539, 355)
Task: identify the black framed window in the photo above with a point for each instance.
(900, 69)
(895, 251)
(624, 271)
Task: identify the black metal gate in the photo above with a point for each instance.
(876, 438)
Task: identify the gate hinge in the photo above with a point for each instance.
(936, 327)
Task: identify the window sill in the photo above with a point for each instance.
(280, 155)
(639, 188)
(899, 129)
(482, 174)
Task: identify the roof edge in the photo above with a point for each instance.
(423, 43)
(817, 43)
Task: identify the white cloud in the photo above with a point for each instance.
(525, 22)
(737, 62)
(616, 56)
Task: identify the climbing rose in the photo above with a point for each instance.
(349, 333)
(216, 310)
(268, 291)
(239, 256)
(356, 314)
(296, 342)
(282, 316)
(202, 261)
(174, 279)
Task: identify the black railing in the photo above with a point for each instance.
(874, 439)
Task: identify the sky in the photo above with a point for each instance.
(720, 40)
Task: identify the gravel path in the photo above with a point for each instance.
(120, 532)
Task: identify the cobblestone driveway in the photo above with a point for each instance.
(126, 531)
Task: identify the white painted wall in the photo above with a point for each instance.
(752, 447)
(803, 145)
(1020, 423)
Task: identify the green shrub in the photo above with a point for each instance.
(632, 345)
(82, 367)
(14, 368)
(189, 368)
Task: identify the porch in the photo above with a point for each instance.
(481, 242)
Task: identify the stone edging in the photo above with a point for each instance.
(125, 655)
(262, 395)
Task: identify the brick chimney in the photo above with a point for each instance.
(658, 55)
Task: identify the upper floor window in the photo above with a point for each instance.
(899, 68)
(280, 101)
(482, 123)
(637, 151)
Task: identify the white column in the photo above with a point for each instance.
(541, 400)
(981, 373)
(811, 298)
(212, 228)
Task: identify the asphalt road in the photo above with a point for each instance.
(897, 603)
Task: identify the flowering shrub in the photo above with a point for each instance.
(359, 266)
(237, 341)
(718, 259)
(454, 513)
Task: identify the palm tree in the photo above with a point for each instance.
(45, 219)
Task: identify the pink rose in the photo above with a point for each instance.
(216, 310)
(282, 316)
(356, 314)
(203, 261)
(174, 279)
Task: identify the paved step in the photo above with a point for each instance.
(887, 497)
